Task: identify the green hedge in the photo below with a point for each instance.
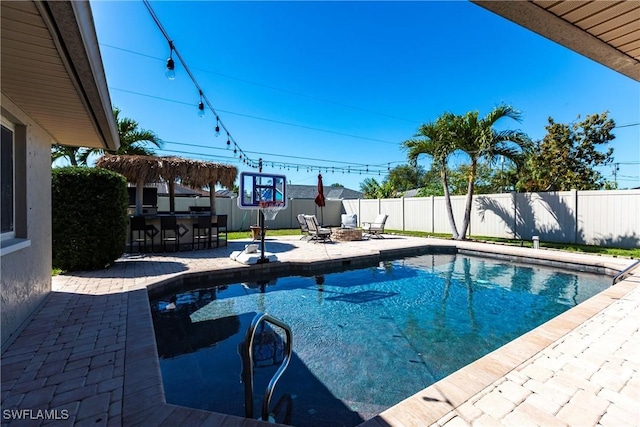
(89, 217)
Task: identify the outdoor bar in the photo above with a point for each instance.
(162, 231)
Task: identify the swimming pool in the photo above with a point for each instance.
(363, 339)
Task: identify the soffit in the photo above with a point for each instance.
(607, 32)
(49, 69)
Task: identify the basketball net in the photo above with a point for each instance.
(271, 209)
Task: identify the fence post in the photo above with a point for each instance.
(433, 214)
(514, 199)
(574, 194)
(403, 213)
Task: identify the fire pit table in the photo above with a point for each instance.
(346, 234)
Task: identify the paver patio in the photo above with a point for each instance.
(88, 355)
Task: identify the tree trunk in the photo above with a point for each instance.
(469, 202)
(139, 196)
(172, 198)
(212, 197)
(447, 202)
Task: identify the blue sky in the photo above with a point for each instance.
(342, 84)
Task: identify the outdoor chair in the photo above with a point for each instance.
(138, 233)
(316, 232)
(304, 228)
(220, 225)
(375, 228)
(169, 232)
(201, 232)
(349, 220)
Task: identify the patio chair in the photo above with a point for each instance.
(349, 220)
(316, 232)
(375, 228)
(304, 229)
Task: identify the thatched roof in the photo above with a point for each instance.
(148, 169)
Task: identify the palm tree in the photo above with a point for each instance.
(59, 151)
(477, 138)
(437, 140)
(133, 141)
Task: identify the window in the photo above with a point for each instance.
(7, 182)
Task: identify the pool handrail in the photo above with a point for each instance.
(624, 272)
(247, 364)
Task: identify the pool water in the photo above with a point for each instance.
(363, 340)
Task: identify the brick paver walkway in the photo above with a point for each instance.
(88, 357)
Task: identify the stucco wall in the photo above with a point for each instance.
(26, 273)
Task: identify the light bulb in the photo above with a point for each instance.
(170, 73)
(200, 109)
(217, 131)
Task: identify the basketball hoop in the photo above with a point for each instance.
(271, 209)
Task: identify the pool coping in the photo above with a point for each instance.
(144, 399)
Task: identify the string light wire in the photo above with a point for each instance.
(219, 123)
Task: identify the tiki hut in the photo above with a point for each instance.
(141, 170)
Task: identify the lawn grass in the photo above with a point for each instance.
(235, 235)
(619, 252)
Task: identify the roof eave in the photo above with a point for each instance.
(535, 18)
(73, 24)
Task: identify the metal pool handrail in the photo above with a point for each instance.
(247, 364)
(624, 272)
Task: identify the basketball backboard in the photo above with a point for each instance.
(258, 187)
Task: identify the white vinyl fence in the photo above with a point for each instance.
(606, 218)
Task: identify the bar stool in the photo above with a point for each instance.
(221, 228)
(138, 225)
(201, 232)
(169, 232)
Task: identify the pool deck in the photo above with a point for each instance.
(88, 354)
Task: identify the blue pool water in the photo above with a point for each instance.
(363, 340)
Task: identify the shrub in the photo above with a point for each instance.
(89, 217)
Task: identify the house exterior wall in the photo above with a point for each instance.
(25, 265)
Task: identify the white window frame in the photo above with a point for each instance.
(10, 126)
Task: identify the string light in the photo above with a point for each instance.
(170, 73)
(228, 141)
(201, 107)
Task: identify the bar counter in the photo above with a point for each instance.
(185, 222)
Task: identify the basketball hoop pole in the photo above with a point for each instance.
(263, 259)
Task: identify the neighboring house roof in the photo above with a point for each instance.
(411, 193)
(65, 89)
(330, 192)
